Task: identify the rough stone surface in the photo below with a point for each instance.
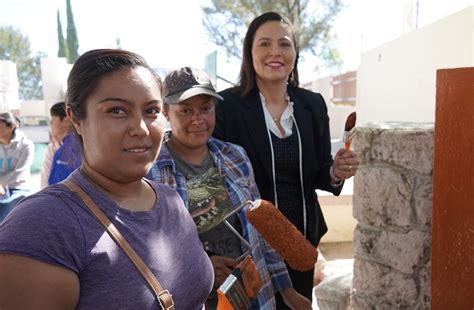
(423, 200)
(393, 204)
(424, 278)
(383, 284)
(407, 145)
(362, 142)
(382, 196)
(367, 303)
(361, 302)
(334, 293)
(401, 251)
(412, 150)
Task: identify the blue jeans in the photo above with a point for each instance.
(11, 198)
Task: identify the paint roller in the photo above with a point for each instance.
(282, 235)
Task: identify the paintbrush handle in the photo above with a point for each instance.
(347, 138)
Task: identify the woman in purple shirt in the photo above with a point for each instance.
(54, 254)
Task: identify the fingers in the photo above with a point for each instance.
(340, 153)
(223, 262)
(223, 267)
(345, 164)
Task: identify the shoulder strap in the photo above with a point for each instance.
(164, 297)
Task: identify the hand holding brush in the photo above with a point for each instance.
(345, 162)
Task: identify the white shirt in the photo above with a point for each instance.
(286, 119)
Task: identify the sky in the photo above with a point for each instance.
(170, 34)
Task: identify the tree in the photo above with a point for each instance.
(226, 22)
(62, 51)
(15, 46)
(72, 42)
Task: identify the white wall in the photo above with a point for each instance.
(34, 108)
(396, 81)
(54, 73)
(8, 86)
(337, 113)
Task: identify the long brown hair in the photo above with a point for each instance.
(247, 72)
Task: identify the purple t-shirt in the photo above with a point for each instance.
(54, 227)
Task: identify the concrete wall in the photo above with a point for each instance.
(396, 81)
(452, 282)
(393, 204)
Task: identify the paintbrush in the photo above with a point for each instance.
(349, 130)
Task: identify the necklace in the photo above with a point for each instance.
(278, 111)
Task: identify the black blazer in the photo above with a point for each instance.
(241, 120)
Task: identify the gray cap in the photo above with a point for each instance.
(186, 82)
(8, 118)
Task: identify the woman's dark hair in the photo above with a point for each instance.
(58, 109)
(91, 67)
(247, 71)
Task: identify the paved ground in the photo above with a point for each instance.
(337, 250)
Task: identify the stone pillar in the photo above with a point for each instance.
(392, 204)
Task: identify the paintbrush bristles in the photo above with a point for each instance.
(350, 121)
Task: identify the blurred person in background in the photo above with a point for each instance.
(60, 127)
(66, 159)
(16, 157)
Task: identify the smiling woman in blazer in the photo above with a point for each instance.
(285, 132)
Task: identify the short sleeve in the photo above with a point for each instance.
(44, 227)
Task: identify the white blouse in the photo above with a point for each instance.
(286, 120)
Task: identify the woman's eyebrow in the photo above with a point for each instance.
(153, 101)
(114, 99)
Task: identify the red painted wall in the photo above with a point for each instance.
(452, 264)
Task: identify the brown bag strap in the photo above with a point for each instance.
(164, 297)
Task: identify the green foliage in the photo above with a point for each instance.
(71, 38)
(14, 46)
(62, 51)
(226, 22)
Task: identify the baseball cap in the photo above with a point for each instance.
(8, 118)
(186, 82)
